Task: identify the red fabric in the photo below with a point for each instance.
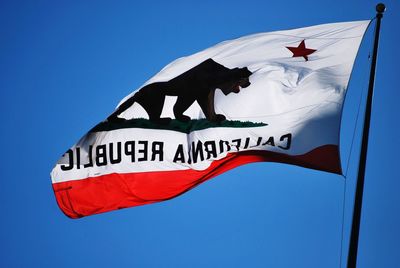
(94, 195)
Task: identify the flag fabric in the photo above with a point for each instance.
(275, 96)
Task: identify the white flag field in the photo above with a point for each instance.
(275, 96)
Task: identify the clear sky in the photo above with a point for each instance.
(66, 64)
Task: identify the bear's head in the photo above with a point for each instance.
(237, 79)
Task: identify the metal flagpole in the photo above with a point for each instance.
(355, 228)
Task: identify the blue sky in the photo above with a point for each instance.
(64, 67)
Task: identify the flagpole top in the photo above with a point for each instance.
(380, 8)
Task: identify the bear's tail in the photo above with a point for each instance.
(122, 108)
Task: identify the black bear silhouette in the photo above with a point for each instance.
(197, 84)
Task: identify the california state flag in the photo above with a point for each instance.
(273, 96)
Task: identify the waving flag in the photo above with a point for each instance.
(273, 96)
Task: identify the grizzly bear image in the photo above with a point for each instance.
(197, 84)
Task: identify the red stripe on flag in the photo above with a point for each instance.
(94, 195)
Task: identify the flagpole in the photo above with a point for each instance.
(355, 228)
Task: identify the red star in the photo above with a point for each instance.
(301, 50)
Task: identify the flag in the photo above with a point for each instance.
(274, 96)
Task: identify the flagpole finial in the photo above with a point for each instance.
(380, 8)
